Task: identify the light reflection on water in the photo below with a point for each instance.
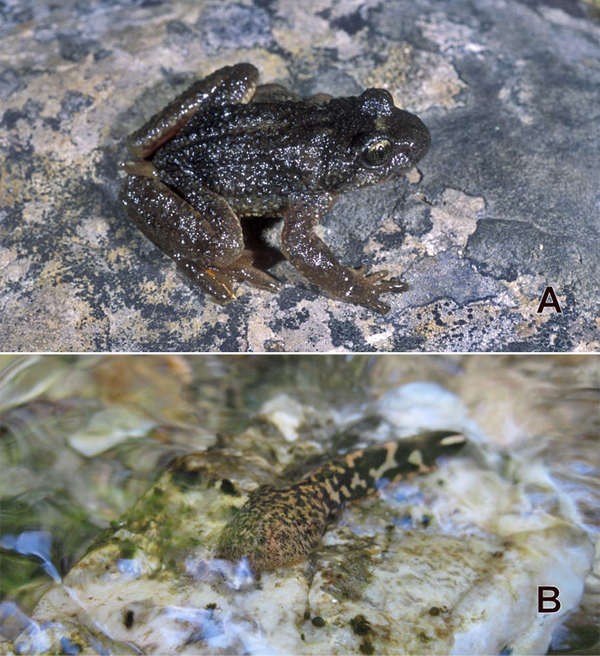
(32, 543)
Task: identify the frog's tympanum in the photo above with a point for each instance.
(280, 526)
(227, 148)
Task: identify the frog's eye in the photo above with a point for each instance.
(261, 539)
(378, 152)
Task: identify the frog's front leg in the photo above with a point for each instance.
(307, 252)
(203, 237)
(230, 84)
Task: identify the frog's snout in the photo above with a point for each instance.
(414, 138)
(422, 143)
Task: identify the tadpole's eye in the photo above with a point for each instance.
(378, 152)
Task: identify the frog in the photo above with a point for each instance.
(279, 526)
(229, 148)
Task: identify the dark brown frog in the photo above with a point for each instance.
(227, 148)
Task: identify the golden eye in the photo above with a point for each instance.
(378, 152)
(261, 539)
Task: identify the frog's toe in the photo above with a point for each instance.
(257, 278)
(212, 281)
(375, 284)
(243, 269)
(376, 276)
(263, 280)
(391, 286)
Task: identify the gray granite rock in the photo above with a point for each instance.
(504, 205)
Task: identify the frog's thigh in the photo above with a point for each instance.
(208, 234)
(230, 84)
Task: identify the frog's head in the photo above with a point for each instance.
(388, 142)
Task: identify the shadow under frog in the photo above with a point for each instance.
(228, 148)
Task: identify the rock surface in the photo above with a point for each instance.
(504, 205)
(454, 570)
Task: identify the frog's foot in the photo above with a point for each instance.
(365, 289)
(243, 269)
(219, 281)
(212, 281)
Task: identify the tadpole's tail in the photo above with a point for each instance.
(439, 443)
(356, 474)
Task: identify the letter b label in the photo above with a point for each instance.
(548, 599)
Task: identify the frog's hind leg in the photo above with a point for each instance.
(197, 238)
(204, 239)
(228, 85)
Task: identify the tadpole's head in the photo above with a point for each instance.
(268, 531)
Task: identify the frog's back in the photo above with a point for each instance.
(258, 155)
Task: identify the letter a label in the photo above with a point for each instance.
(548, 599)
(549, 299)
